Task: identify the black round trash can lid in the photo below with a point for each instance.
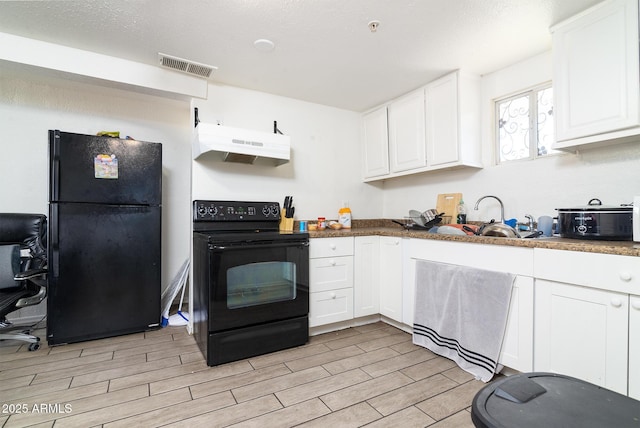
(551, 400)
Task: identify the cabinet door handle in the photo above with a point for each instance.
(625, 276)
(616, 302)
(635, 304)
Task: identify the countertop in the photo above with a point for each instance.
(388, 228)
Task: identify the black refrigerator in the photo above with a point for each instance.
(104, 238)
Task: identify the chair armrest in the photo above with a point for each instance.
(30, 274)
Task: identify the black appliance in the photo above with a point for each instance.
(104, 238)
(596, 221)
(250, 281)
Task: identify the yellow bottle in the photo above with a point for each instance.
(344, 216)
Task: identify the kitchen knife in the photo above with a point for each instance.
(291, 209)
(288, 201)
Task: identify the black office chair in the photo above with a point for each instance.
(23, 271)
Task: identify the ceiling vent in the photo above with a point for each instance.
(186, 66)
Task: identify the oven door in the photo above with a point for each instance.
(257, 282)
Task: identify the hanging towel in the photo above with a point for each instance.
(461, 314)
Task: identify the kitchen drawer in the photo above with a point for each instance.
(330, 273)
(330, 247)
(605, 271)
(327, 307)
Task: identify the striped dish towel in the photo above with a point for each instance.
(461, 314)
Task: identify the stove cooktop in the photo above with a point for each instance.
(234, 211)
(240, 221)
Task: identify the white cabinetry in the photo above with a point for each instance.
(634, 347)
(596, 76)
(583, 317)
(582, 332)
(453, 121)
(375, 137)
(330, 280)
(390, 274)
(517, 346)
(406, 137)
(366, 294)
(406, 132)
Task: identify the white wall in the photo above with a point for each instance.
(31, 103)
(325, 156)
(535, 187)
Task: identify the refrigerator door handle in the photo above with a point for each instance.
(54, 247)
(54, 175)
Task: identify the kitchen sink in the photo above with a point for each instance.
(496, 231)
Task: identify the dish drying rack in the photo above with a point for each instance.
(410, 223)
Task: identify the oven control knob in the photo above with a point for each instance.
(213, 211)
(270, 211)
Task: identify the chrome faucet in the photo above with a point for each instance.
(532, 222)
(497, 199)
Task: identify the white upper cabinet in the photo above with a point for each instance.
(376, 143)
(406, 132)
(596, 76)
(453, 121)
(435, 127)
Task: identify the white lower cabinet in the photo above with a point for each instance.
(366, 293)
(582, 332)
(586, 324)
(634, 347)
(517, 345)
(330, 280)
(326, 307)
(390, 275)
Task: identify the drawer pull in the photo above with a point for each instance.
(332, 246)
(635, 304)
(616, 303)
(333, 295)
(625, 276)
(332, 262)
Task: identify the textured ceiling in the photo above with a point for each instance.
(324, 50)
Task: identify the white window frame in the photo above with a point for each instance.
(533, 128)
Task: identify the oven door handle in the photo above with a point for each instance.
(250, 245)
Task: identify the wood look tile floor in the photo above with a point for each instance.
(363, 376)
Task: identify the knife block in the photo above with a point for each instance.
(286, 224)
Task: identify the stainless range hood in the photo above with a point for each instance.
(240, 145)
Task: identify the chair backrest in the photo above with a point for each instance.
(9, 265)
(30, 232)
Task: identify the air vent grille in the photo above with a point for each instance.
(186, 66)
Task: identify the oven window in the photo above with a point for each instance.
(259, 283)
